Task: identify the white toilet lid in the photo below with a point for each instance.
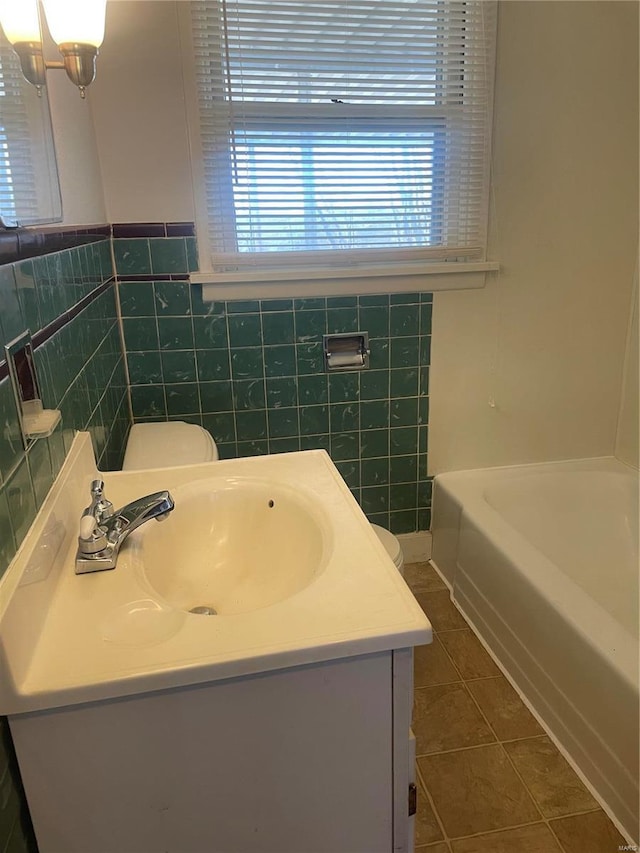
(168, 443)
(391, 544)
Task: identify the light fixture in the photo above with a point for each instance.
(76, 26)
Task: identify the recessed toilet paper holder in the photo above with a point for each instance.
(349, 351)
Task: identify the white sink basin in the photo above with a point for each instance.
(233, 548)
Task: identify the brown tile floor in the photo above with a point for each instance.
(489, 779)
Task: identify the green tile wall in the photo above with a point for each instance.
(81, 371)
(252, 373)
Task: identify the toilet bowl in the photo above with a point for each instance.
(168, 443)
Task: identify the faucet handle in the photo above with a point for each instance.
(101, 507)
(91, 539)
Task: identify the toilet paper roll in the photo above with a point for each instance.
(345, 359)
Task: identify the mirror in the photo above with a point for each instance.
(35, 422)
(29, 185)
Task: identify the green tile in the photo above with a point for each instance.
(423, 410)
(168, 255)
(21, 500)
(210, 332)
(315, 442)
(278, 328)
(403, 521)
(175, 333)
(344, 446)
(40, 470)
(374, 442)
(282, 422)
(248, 394)
(402, 496)
(426, 297)
(312, 304)
(344, 386)
(404, 298)
(310, 325)
(7, 542)
(375, 320)
(12, 322)
(309, 358)
(268, 305)
(380, 518)
(379, 356)
(344, 417)
(404, 411)
(314, 419)
(425, 492)
(373, 299)
(132, 256)
(424, 519)
(374, 385)
(284, 445)
(179, 366)
(350, 472)
(251, 425)
(182, 399)
(256, 447)
(426, 312)
(375, 472)
(282, 391)
(213, 364)
(405, 352)
(404, 469)
(137, 299)
(313, 389)
(27, 295)
(240, 306)
(228, 451)
(148, 401)
(145, 368)
(342, 301)
(11, 450)
(204, 309)
(140, 333)
(191, 246)
(244, 330)
(172, 298)
(280, 360)
(374, 414)
(221, 425)
(425, 349)
(247, 363)
(374, 499)
(403, 320)
(403, 441)
(404, 382)
(424, 381)
(342, 320)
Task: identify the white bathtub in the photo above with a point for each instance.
(543, 561)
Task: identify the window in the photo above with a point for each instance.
(29, 190)
(344, 132)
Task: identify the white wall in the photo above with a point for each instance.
(76, 150)
(139, 113)
(545, 340)
(627, 436)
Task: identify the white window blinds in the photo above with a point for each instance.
(344, 131)
(29, 191)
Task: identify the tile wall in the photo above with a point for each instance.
(67, 300)
(252, 372)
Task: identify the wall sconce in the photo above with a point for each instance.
(76, 26)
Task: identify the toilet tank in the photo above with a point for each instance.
(166, 444)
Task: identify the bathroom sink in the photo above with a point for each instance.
(234, 546)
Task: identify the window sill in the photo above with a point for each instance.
(414, 277)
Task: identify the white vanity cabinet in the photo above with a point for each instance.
(310, 759)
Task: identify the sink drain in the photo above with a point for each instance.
(203, 610)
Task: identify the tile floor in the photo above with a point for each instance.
(489, 779)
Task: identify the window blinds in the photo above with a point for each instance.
(344, 131)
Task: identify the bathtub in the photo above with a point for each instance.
(543, 562)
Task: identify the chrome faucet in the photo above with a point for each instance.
(103, 530)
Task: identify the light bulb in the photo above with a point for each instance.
(20, 21)
(76, 21)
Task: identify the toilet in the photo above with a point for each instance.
(151, 444)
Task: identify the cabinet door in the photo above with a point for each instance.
(403, 750)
